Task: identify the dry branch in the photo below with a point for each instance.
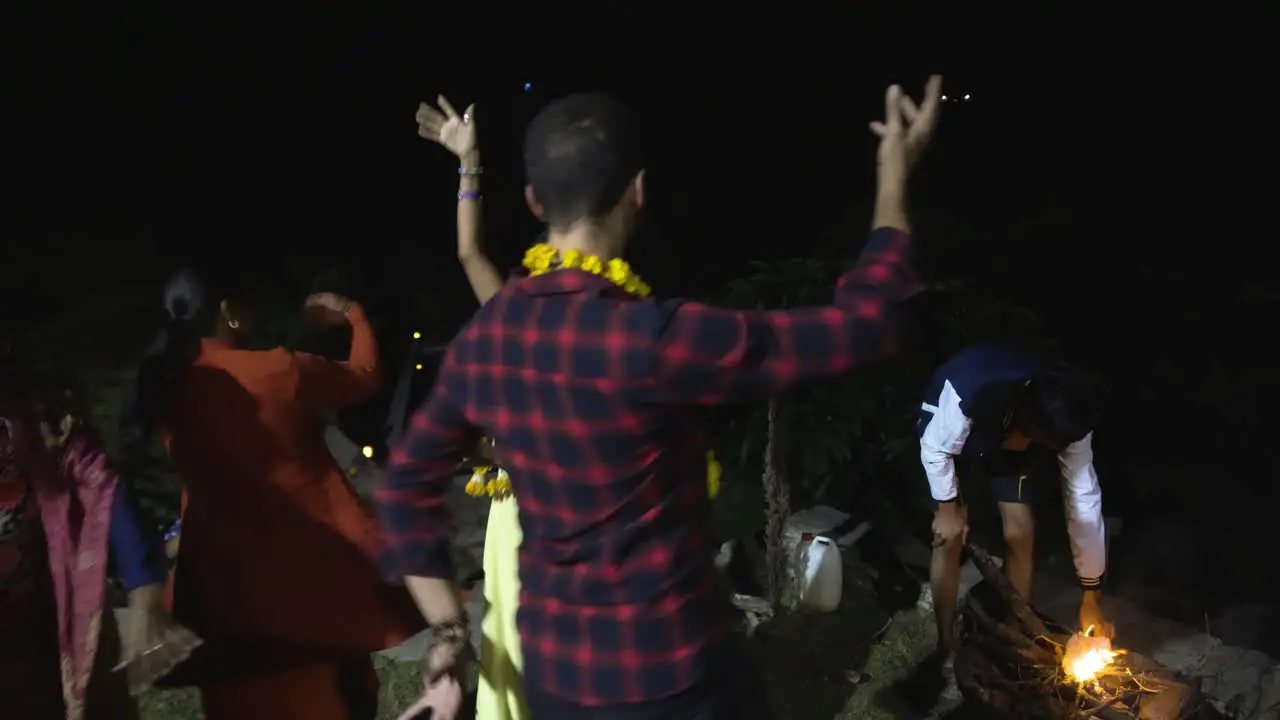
(1009, 663)
(1017, 603)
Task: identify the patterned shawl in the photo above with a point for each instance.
(74, 489)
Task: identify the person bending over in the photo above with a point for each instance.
(1007, 413)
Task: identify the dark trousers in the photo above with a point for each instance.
(733, 690)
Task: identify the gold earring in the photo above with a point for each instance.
(233, 324)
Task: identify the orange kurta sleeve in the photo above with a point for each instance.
(327, 385)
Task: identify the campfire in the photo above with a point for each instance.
(1011, 662)
(1087, 656)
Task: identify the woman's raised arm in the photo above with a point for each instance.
(457, 133)
(328, 385)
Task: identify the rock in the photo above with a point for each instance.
(1269, 697)
(1234, 679)
(756, 610)
(925, 602)
(1170, 703)
(852, 537)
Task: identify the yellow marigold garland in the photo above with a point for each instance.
(489, 480)
(542, 258)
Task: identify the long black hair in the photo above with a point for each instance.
(1061, 404)
(192, 308)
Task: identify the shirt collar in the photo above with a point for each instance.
(567, 282)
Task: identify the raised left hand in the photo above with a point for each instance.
(1092, 616)
(906, 129)
(328, 308)
(153, 643)
(457, 133)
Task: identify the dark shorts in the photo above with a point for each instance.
(1016, 477)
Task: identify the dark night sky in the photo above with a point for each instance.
(245, 136)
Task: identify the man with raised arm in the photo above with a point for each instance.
(589, 389)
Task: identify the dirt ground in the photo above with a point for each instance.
(809, 661)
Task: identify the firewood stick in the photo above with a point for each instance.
(1127, 700)
(1107, 711)
(981, 681)
(982, 559)
(1007, 647)
(1172, 703)
(1012, 663)
(1072, 694)
(1025, 645)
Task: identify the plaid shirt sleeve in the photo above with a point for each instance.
(710, 355)
(411, 500)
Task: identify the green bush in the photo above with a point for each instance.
(840, 434)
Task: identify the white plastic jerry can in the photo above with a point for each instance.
(822, 582)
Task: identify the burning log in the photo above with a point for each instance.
(1011, 662)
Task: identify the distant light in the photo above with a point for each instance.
(367, 451)
(418, 366)
(945, 98)
(528, 87)
(966, 97)
(417, 335)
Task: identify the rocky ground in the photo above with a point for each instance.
(1227, 653)
(864, 660)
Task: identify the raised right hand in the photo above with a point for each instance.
(950, 522)
(328, 308)
(906, 129)
(456, 133)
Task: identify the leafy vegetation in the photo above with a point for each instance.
(841, 435)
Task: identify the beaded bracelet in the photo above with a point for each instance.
(455, 635)
(470, 171)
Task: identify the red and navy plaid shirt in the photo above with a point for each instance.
(589, 393)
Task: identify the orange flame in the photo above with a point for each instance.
(1087, 655)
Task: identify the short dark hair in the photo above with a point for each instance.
(1062, 405)
(580, 154)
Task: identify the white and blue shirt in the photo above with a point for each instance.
(965, 413)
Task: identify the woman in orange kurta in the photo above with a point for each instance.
(276, 567)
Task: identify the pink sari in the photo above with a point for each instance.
(74, 487)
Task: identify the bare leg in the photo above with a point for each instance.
(1020, 541)
(944, 577)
